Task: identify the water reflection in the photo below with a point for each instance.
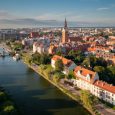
(32, 93)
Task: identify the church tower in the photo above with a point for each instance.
(65, 36)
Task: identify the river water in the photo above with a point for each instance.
(33, 94)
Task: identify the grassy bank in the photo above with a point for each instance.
(44, 71)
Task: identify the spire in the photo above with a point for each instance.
(65, 24)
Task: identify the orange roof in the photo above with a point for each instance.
(85, 72)
(92, 49)
(65, 61)
(105, 86)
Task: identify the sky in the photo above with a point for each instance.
(35, 13)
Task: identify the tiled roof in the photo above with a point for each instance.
(65, 61)
(105, 86)
(84, 72)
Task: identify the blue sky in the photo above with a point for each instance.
(86, 11)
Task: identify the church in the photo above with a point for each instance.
(65, 35)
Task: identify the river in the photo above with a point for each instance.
(33, 94)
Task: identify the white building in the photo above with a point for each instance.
(68, 64)
(41, 46)
(89, 80)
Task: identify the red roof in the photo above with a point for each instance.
(105, 86)
(65, 61)
(85, 72)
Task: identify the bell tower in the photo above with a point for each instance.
(65, 33)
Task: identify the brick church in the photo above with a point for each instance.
(65, 35)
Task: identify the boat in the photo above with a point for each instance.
(16, 57)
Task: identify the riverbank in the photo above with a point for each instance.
(99, 108)
(65, 89)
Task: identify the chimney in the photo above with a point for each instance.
(80, 71)
(102, 84)
(97, 82)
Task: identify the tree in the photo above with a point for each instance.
(59, 65)
(36, 58)
(110, 72)
(103, 74)
(57, 76)
(70, 75)
(112, 69)
(44, 58)
(88, 99)
(86, 62)
(101, 62)
(99, 69)
(59, 53)
(92, 61)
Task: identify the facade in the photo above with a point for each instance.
(68, 38)
(41, 45)
(65, 35)
(38, 48)
(68, 64)
(34, 34)
(89, 80)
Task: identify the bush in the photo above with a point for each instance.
(48, 71)
(88, 99)
(57, 76)
(113, 107)
(70, 75)
(3, 97)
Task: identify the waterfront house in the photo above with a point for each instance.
(68, 64)
(89, 80)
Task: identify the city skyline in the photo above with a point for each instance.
(35, 13)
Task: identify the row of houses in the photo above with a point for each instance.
(88, 80)
(104, 51)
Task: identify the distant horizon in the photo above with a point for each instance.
(34, 13)
(31, 23)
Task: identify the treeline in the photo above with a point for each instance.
(106, 72)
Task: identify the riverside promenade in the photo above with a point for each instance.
(74, 93)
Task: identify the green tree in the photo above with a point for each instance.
(112, 69)
(45, 59)
(102, 73)
(57, 76)
(59, 66)
(59, 53)
(70, 75)
(99, 69)
(88, 99)
(36, 58)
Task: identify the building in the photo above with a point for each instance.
(38, 48)
(34, 34)
(66, 37)
(89, 80)
(41, 45)
(68, 64)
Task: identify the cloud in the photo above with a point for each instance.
(53, 16)
(103, 8)
(59, 16)
(6, 15)
(8, 20)
(31, 23)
